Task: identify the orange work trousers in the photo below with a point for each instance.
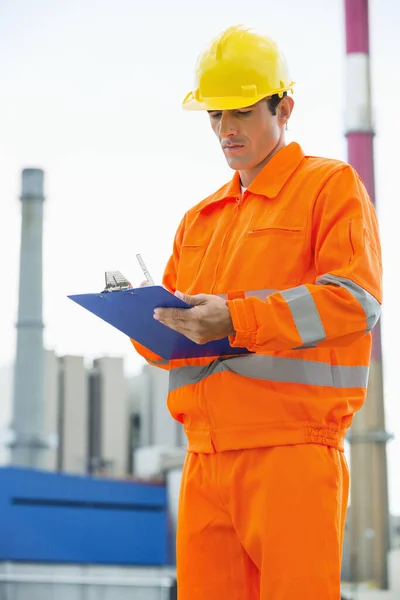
(262, 524)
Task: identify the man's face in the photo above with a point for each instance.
(248, 135)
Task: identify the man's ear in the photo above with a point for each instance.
(285, 108)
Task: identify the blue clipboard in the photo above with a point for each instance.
(131, 311)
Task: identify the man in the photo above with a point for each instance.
(285, 260)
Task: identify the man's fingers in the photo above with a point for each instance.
(175, 318)
(172, 322)
(190, 332)
(181, 326)
(178, 314)
(178, 326)
(192, 300)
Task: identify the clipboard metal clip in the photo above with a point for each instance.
(116, 282)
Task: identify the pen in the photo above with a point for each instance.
(144, 269)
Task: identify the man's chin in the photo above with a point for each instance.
(237, 163)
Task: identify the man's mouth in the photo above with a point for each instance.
(232, 147)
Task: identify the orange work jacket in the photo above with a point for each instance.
(298, 257)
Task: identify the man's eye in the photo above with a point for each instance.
(215, 115)
(244, 113)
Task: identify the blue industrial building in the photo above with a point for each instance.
(57, 518)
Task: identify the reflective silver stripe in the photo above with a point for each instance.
(274, 368)
(305, 315)
(370, 305)
(158, 363)
(261, 294)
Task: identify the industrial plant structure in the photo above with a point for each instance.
(78, 420)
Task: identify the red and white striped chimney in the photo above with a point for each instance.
(369, 529)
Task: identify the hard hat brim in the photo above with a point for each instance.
(227, 103)
(220, 103)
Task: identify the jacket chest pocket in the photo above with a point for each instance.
(274, 256)
(190, 261)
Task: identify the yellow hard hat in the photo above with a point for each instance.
(238, 69)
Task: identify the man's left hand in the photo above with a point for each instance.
(208, 320)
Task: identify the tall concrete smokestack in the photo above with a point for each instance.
(27, 425)
(369, 533)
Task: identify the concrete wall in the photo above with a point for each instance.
(65, 413)
(50, 409)
(74, 415)
(394, 571)
(395, 531)
(363, 592)
(114, 414)
(142, 389)
(165, 430)
(158, 428)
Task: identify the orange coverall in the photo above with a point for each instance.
(265, 483)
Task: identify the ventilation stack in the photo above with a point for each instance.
(369, 522)
(28, 444)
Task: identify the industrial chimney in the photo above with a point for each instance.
(369, 525)
(27, 446)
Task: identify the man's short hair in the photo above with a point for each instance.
(273, 102)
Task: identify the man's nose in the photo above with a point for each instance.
(227, 125)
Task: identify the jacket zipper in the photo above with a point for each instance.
(238, 202)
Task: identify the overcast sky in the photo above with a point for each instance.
(91, 93)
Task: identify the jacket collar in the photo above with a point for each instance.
(269, 182)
